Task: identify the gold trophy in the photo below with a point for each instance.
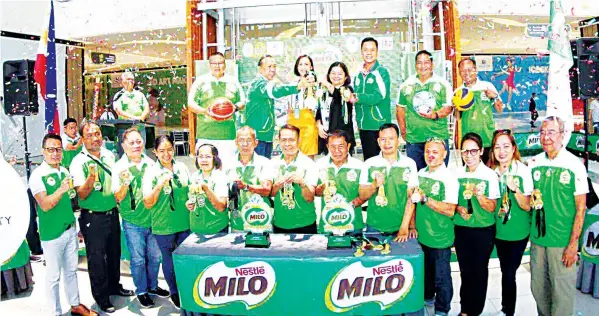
(310, 101)
(93, 169)
(381, 198)
(71, 191)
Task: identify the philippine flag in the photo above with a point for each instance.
(45, 73)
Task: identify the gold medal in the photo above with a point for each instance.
(536, 200)
(72, 193)
(468, 191)
(381, 198)
(97, 183)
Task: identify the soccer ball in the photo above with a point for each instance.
(221, 109)
(423, 102)
(463, 99)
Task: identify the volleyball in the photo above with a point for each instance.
(221, 109)
(463, 99)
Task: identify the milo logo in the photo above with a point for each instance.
(251, 284)
(590, 245)
(257, 217)
(339, 217)
(533, 140)
(356, 285)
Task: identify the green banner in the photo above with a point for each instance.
(590, 236)
(530, 142)
(297, 275)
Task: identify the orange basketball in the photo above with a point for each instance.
(221, 109)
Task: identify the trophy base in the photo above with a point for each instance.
(257, 240)
(338, 242)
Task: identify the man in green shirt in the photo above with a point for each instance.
(341, 174)
(384, 182)
(558, 203)
(436, 198)
(260, 110)
(49, 184)
(205, 91)
(128, 103)
(372, 89)
(251, 172)
(99, 220)
(127, 189)
(293, 187)
(71, 141)
(479, 118)
(423, 104)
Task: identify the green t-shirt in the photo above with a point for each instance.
(205, 219)
(169, 214)
(98, 200)
(399, 176)
(347, 184)
(260, 109)
(517, 226)
(139, 216)
(68, 155)
(479, 118)
(373, 91)
(133, 103)
(558, 181)
(257, 171)
(204, 91)
(301, 212)
(417, 97)
(52, 223)
(486, 180)
(436, 230)
(19, 259)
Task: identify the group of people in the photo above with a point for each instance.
(495, 200)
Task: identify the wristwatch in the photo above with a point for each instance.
(424, 200)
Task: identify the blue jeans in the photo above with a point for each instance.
(438, 288)
(145, 257)
(168, 244)
(416, 152)
(264, 149)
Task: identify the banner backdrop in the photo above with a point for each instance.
(518, 76)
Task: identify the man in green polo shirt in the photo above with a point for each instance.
(204, 91)
(479, 118)
(436, 198)
(372, 88)
(251, 172)
(128, 103)
(384, 182)
(293, 189)
(558, 202)
(127, 188)
(71, 141)
(341, 174)
(99, 220)
(49, 184)
(260, 110)
(423, 104)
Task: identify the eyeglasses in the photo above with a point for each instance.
(53, 150)
(551, 132)
(503, 132)
(435, 140)
(472, 152)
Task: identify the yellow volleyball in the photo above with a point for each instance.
(463, 99)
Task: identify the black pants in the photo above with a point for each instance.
(437, 277)
(102, 236)
(370, 147)
(473, 246)
(310, 229)
(510, 256)
(33, 237)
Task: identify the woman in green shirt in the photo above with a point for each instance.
(513, 217)
(208, 194)
(474, 224)
(165, 189)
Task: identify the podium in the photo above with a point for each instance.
(113, 131)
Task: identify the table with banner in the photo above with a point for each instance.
(297, 275)
(530, 143)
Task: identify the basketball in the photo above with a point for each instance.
(463, 99)
(221, 109)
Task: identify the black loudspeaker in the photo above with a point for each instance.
(587, 50)
(574, 72)
(20, 89)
